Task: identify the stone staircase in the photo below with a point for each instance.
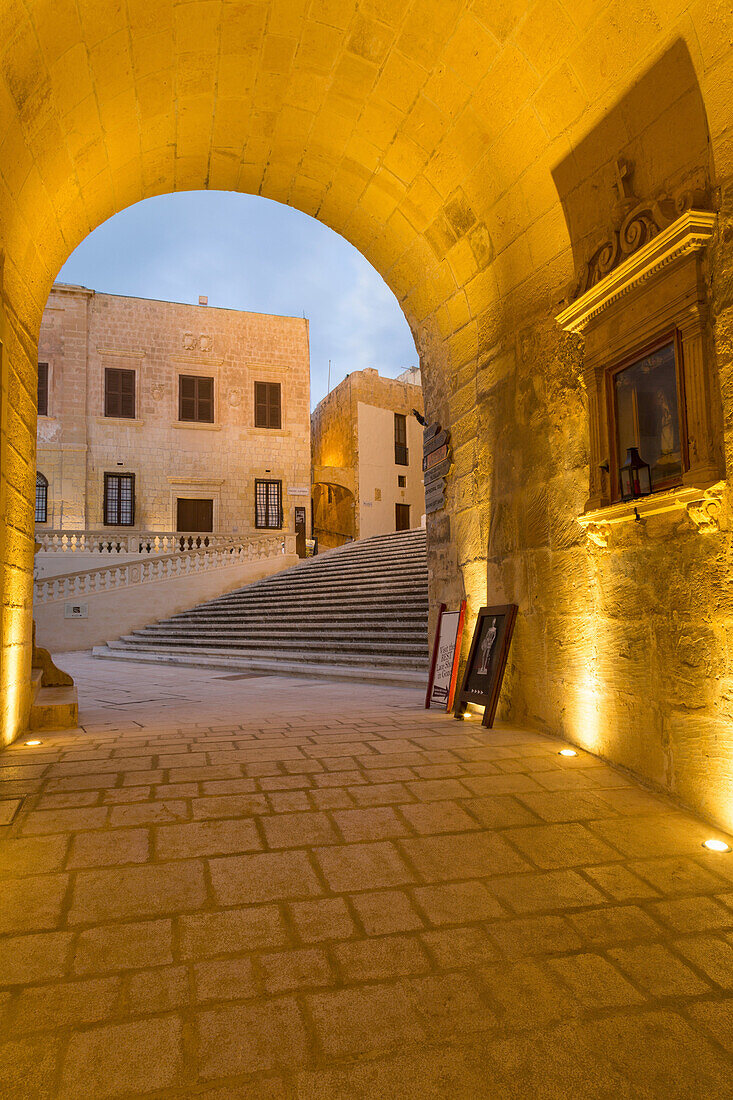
(356, 613)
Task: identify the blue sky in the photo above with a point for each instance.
(250, 253)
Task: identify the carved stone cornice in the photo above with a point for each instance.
(689, 232)
(703, 504)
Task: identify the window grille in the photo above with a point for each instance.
(119, 500)
(41, 499)
(268, 504)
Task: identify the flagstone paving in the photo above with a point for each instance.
(272, 887)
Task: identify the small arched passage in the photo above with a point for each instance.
(334, 513)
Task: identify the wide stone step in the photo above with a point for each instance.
(226, 663)
(338, 584)
(314, 656)
(383, 647)
(347, 632)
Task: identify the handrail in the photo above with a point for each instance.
(105, 541)
(163, 567)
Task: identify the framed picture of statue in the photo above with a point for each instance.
(486, 662)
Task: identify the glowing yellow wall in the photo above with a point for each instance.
(429, 133)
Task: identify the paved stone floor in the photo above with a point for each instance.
(263, 887)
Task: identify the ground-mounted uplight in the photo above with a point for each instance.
(567, 752)
(32, 744)
(716, 845)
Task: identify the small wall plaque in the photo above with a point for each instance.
(76, 610)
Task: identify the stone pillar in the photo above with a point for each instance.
(703, 467)
(599, 444)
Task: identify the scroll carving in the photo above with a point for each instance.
(707, 513)
(638, 223)
(599, 534)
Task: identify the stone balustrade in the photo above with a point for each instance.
(134, 542)
(161, 567)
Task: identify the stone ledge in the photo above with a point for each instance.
(702, 504)
(197, 425)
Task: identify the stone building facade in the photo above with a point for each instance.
(159, 401)
(367, 457)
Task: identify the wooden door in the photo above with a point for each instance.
(402, 517)
(195, 515)
(300, 532)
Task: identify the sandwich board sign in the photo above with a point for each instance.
(446, 653)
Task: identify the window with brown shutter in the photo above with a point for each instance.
(195, 398)
(119, 393)
(401, 456)
(119, 500)
(43, 389)
(267, 405)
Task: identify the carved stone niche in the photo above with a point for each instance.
(646, 284)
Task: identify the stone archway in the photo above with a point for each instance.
(426, 132)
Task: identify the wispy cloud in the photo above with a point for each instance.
(253, 254)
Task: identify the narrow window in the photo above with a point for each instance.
(645, 404)
(119, 500)
(196, 398)
(400, 440)
(43, 389)
(402, 517)
(267, 405)
(119, 393)
(401, 481)
(268, 503)
(41, 499)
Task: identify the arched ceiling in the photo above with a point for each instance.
(424, 131)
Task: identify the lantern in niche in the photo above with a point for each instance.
(635, 476)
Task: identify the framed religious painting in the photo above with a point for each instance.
(486, 662)
(446, 652)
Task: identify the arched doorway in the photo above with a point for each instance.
(426, 133)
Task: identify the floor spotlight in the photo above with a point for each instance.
(716, 845)
(567, 752)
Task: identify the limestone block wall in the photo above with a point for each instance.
(84, 332)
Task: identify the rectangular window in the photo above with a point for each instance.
(400, 440)
(402, 517)
(401, 481)
(196, 398)
(41, 499)
(267, 405)
(268, 503)
(119, 393)
(119, 500)
(43, 389)
(645, 404)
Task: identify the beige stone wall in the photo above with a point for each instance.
(83, 333)
(379, 490)
(121, 610)
(353, 452)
